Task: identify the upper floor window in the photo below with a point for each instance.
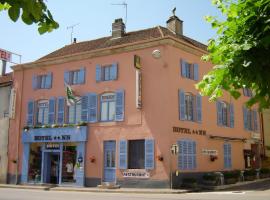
(107, 104)
(42, 81)
(75, 77)
(247, 92)
(42, 112)
(251, 120)
(74, 113)
(190, 106)
(225, 114)
(107, 72)
(189, 70)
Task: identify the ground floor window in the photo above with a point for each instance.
(136, 154)
(69, 163)
(35, 160)
(227, 156)
(187, 155)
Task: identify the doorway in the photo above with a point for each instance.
(51, 167)
(109, 161)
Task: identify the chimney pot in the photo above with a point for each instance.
(118, 28)
(175, 25)
(74, 40)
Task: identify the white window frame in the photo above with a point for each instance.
(42, 106)
(108, 99)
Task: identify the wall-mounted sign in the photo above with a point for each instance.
(5, 55)
(52, 146)
(174, 149)
(136, 173)
(209, 152)
(51, 138)
(138, 89)
(189, 131)
(256, 136)
(12, 104)
(137, 62)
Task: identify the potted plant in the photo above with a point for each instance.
(264, 173)
(189, 183)
(210, 179)
(231, 177)
(250, 174)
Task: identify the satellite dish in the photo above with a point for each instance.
(156, 53)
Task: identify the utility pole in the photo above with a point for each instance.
(71, 33)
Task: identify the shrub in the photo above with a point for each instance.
(82, 124)
(210, 177)
(232, 174)
(189, 182)
(250, 172)
(264, 171)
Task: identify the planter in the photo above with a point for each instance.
(250, 178)
(231, 181)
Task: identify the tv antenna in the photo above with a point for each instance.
(124, 4)
(71, 33)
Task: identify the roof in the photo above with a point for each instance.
(130, 37)
(7, 78)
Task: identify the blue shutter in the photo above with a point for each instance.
(123, 154)
(231, 115)
(245, 118)
(48, 81)
(35, 82)
(51, 114)
(189, 155)
(194, 162)
(227, 156)
(183, 68)
(180, 155)
(149, 154)
(61, 110)
(196, 71)
(84, 111)
(120, 105)
(185, 155)
(113, 71)
(219, 113)
(30, 113)
(255, 120)
(67, 77)
(199, 108)
(81, 76)
(98, 73)
(181, 103)
(92, 106)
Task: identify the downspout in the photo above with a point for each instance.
(19, 133)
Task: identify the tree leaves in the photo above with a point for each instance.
(14, 12)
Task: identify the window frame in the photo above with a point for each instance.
(74, 75)
(43, 108)
(225, 113)
(142, 143)
(75, 121)
(190, 107)
(188, 155)
(107, 101)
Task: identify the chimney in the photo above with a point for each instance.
(118, 28)
(175, 25)
(74, 40)
(3, 65)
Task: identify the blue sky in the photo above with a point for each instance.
(95, 19)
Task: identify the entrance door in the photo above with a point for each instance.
(51, 167)
(109, 161)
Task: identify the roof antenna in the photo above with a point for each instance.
(125, 6)
(71, 33)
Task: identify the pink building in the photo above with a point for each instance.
(138, 103)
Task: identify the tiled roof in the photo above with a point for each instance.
(130, 37)
(7, 78)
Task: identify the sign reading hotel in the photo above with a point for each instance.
(51, 138)
(136, 173)
(189, 131)
(5, 55)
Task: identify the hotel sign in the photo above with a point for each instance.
(12, 104)
(5, 55)
(138, 89)
(136, 173)
(189, 131)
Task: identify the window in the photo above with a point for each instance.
(190, 106)
(42, 81)
(42, 112)
(227, 156)
(251, 120)
(74, 113)
(225, 114)
(247, 92)
(136, 156)
(107, 111)
(75, 77)
(107, 72)
(187, 155)
(189, 70)
(69, 162)
(35, 160)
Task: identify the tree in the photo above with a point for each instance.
(240, 52)
(31, 11)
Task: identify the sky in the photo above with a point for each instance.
(94, 20)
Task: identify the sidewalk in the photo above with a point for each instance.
(95, 189)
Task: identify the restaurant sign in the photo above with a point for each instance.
(136, 173)
(189, 131)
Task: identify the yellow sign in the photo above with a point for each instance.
(137, 62)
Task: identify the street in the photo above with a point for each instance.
(23, 194)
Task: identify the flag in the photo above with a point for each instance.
(71, 98)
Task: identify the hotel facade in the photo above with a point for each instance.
(137, 120)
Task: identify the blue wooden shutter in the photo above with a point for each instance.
(48, 81)
(180, 161)
(98, 73)
(67, 77)
(61, 110)
(30, 113)
(120, 105)
(92, 106)
(182, 107)
(199, 108)
(193, 154)
(196, 71)
(231, 115)
(84, 111)
(183, 68)
(113, 71)
(255, 120)
(123, 154)
(185, 154)
(219, 113)
(149, 154)
(245, 118)
(227, 156)
(35, 82)
(81, 76)
(51, 114)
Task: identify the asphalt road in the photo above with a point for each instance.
(23, 194)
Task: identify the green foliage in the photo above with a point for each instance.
(250, 172)
(240, 52)
(31, 11)
(210, 177)
(232, 174)
(264, 171)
